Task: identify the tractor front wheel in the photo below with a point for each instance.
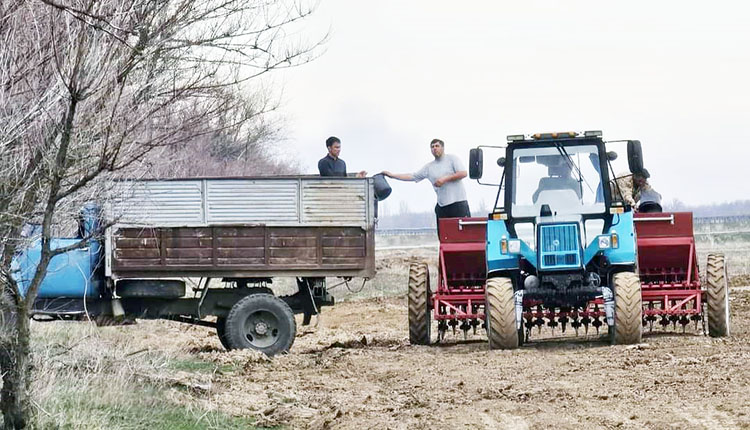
(500, 305)
(419, 304)
(717, 296)
(628, 310)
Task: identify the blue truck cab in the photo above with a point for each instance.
(72, 275)
(560, 239)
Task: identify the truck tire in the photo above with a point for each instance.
(419, 304)
(261, 322)
(717, 296)
(150, 288)
(221, 331)
(500, 307)
(628, 309)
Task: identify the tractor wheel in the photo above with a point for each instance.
(500, 305)
(221, 331)
(261, 322)
(717, 295)
(628, 310)
(419, 304)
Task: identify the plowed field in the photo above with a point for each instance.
(357, 370)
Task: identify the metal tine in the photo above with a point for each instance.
(586, 321)
(575, 323)
(597, 323)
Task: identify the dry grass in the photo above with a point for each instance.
(112, 378)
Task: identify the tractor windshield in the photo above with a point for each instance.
(567, 178)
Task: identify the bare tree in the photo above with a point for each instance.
(88, 89)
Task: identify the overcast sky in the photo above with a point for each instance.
(395, 74)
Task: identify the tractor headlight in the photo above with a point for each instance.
(605, 242)
(514, 246)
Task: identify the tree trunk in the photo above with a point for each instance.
(15, 365)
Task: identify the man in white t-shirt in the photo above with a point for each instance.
(445, 173)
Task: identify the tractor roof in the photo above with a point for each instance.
(566, 135)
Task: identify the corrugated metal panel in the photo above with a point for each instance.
(252, 201)
(334, 201)
(269, 201)
(167, 203)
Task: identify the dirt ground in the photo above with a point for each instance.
(356, 369)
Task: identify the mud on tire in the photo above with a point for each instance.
(628, 309)
(717, 296)
(419, 304)
(500, 307)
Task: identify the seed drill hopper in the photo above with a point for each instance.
(562, 250)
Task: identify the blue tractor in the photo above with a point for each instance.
(560, 240)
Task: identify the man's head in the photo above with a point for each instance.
(640, 179)
(333, 144)
(437, 147)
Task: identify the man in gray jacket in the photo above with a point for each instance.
(445, 173)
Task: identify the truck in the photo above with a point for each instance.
(234, 235)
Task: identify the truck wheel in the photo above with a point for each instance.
(419, 304)
(628, 310)
(261, 322)
(717, 296)
(500, 307)
(150, 288)
(221, 331)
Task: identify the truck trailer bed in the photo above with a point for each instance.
(242, 228)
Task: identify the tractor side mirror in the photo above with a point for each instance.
(501, 161)
(635, 156)
(611, 156)
(476, 163)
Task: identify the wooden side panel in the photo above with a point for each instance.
(242, 251)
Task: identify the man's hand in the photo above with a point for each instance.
(362, 174)
(450, 178)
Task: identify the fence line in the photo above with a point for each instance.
(697, 221)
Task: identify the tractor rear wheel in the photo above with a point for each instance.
(500, 305)
(628, 310)
(419, 304)
(717, 296)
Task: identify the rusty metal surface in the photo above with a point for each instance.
(242, 251)
(348, 197)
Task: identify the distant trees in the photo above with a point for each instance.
(92, 90)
